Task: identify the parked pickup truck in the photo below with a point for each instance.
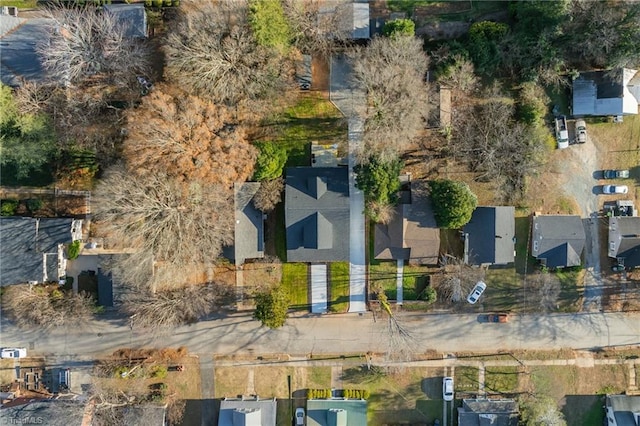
(581, 131)
(562, 133)
(615, 174)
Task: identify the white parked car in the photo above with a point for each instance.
(477, 291)
(615, 189)
(447, 388)
(13, 353)
(299, 416)
(581, 131)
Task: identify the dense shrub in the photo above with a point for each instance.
(9, 207)
(453, 203)
(399, 27)
(74, 250)
(270, 162)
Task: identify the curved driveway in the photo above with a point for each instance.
(347, 333)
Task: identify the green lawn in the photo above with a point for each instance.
(501, 380)
(396, 397)
(504, 290)
(571, 289)
(339, 287)
(524, 262)
(466, 379)
(296, 280)
(22, 4)
(312, 118)
(383, 275)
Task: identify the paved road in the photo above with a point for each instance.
(347, 98)
(347, 333)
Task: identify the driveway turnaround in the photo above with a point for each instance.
(347, 98)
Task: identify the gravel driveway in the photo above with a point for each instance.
(580, 161)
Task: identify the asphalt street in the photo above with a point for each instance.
(331, 334)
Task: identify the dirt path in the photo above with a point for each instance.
(578, 165)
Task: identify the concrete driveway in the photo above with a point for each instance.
(347, 98)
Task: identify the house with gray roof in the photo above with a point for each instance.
(50, 412)
(248, 241)
(603, 93)
(622, 410)
(132, 18)
(489, 237)
(488, 412)
(557, 241)
(19, 59)
(33, 248)
(624, 240)
(247, 412)
(317, 214)
(336, 412)
(412, 234)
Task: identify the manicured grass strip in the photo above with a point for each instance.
(383, 275)
(571, 289)
(466, 379)
(501, 379)
(295, 278)
(339, 286)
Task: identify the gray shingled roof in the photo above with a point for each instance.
(558, 240)
(131, 16)
(249, 225)
(247, 412)
(603, 93)
(623, 407)
(24, 241)
(490, 236)
(53, 412)
(19, 58)
(317, 214)
(487, 412)
(624, 239)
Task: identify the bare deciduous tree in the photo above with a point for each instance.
(214, 53)
(46, 306)
(187, 138)
(487, 137)
(86, 47)
(169, 308)
(318, 26)
(269, 194)
(171, 225)
(458, 279)
(392, 71)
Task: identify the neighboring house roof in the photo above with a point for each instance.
(352, 18)
(317, 214)
(621, 410)
(488, 412)
(558, 240)
(336, 412)
(249, 225)
(143, 414)
(19, 59)
(247, 412)
(412, 234)
(131, 16)
(54, 412)
(612, 92)
(490, 236)
(30, 247)
(624, 239)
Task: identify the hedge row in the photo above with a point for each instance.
(356, 394)
(318, 393)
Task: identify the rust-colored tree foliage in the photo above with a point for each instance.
(188, 138)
